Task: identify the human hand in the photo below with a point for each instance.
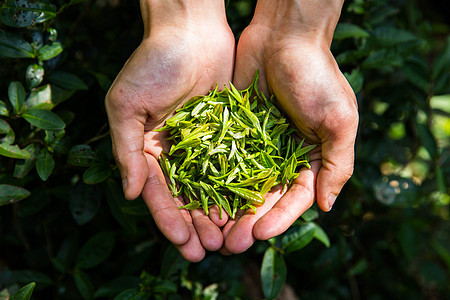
(290, 46)
(187, 49)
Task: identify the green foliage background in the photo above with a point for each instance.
(67, 233)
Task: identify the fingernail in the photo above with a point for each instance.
(124, 185)
(331, 200)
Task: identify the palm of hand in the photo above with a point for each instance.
(166, 70)
(316, 96)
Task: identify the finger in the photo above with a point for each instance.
(127, 135)
(162, 206)
(215, 216)
(337, 166)
(290, 207)
(209, 234)
(240, 236)
(227, 229)
(192, 250)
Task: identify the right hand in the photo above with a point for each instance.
(183, 54)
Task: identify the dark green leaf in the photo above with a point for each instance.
(44, 119)
(358, 268)
(321, 236)
(382, 58)
(84, 284)
(116, 200)
(84, 202)
(35, 203)
(81, 155)
(60, 95)
(4, 127)
(132, 294)
(172, 263)
(13, 151)
(26, 13)
(165, 287)
(67, 80)
(14, 47)
(356, 80)
(273, 273)
(49, 51)
(310, 215)
(66, 253)
(95, 251)
(428, 140)
(298, 237)
(103, 81)
(25, 292)
(12, 194)
(388, 36)
(136, 208)
(346, 30)
(3, 109)
(97, 173)
(26, 276)
(21, 169)
(44, 164)
(442, 62)
(16, 94)
(115, 286)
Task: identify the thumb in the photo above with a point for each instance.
(337, 167)
(127, 135)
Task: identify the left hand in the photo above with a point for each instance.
(305, 78)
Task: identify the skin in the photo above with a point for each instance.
(290, 46)
(179, 57)
(187, 49)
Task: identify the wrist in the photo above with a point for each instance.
(181, 14)
(314, 21)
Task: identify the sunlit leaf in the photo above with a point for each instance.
(25, 292)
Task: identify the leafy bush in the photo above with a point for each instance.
(67, 232)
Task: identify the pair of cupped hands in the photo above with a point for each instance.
(185, 55)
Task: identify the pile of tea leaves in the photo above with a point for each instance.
(230, 148)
